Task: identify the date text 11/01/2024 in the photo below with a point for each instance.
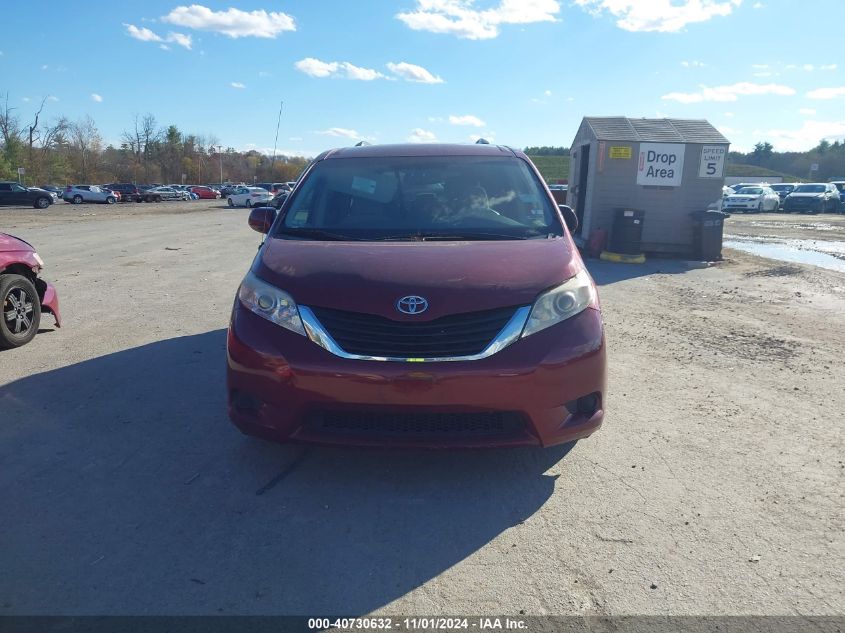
(418, 623)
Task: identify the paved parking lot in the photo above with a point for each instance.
(716, 485)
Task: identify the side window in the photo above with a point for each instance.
(4, 186)
(18, 188)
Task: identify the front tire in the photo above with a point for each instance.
(77, 199)
(248, 204)
(231, 202)
(20, 311)
(760, 207)
(110, 200)
(41, 203)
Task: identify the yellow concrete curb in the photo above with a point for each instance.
(622, 258)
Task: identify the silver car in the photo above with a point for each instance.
(164, 193)
(77, 194)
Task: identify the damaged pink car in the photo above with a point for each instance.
(23, 294)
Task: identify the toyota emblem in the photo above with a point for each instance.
(412, 304)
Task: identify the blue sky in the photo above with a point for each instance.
(520, 72)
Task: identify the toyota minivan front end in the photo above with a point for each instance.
(417, 295)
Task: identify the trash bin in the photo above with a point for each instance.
(707, 227)
(627, 231)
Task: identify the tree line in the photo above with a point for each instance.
(829, 157)
(61, 151)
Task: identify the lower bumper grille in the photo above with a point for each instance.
(495, 424)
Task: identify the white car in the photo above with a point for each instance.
(77, 194)
(751, 200)
(249, 197)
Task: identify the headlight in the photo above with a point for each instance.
(561, 303)
(270, 303)
(38, 259)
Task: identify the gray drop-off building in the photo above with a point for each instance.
(668, 168)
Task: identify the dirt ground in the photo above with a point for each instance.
(715, 486)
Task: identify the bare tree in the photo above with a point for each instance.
(33, 129)
(85, 141)
(10, 126)
(141, 139)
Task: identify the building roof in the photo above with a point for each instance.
(620, 128)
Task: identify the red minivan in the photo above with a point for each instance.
(417, 295)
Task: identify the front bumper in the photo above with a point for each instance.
(49, 300)
(284, 387)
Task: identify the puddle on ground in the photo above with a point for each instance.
(825, 254)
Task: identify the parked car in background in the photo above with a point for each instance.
(717, 205)
(206, 193)
(13, 193)
(117, 195)
(163, 193)
(276, 201)
(742, 185)
(383, 309)
(227, 190)
(272, 187)
(840, 185)
(128, 191)
(24, 296)
(53, 189)
(814, 197)
(249, 197)
(77, 194)
(751, 200)
(783, 189)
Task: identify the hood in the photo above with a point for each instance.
(453, 276)
(12, 243)
(806, 194)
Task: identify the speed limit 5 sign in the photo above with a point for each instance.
(712, 161)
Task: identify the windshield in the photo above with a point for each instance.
(783, 187)
(400, 198)
(809, 189)
(750, 190)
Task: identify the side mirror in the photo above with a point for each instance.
(569, 217)
(262, 218)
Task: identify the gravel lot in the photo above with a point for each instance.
(715, 486)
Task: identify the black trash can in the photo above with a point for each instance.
(707, 228)
(627, 233)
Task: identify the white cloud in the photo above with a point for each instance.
(237, 84)
(724, 129)
(826, 93)
(807, 111)
(233, 23)
(436, 119)
(164, 47)
(264, 73)
(757, 5)
(341, 132)
(44, 67)
(828, 67)
(181, 39)
(693, 64)
(96, 98)
(52, 98)
(460, 18)
(766, 73)
(659, 15)
(295, 138)
(466, 119)
(26, 99)
(808, 136)
(146, 35)
(318, 68)
(418, 135)
(412, 72)
(547, 93)
(730, 115)
(728, 93)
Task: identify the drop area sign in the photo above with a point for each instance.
(660, 164)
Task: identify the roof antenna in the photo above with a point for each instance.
(482, 141)
(362, 143)
(276, 142)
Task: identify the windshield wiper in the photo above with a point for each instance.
(469, 236)
(319, 234)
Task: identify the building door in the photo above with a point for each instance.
(581, 200)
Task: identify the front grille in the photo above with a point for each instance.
(450, 336)
(417, 425)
